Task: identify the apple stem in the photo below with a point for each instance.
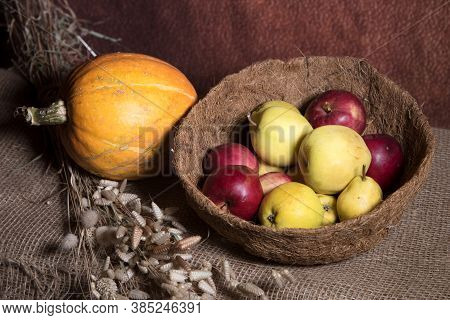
(250, 119)
(326, 107)
(364, 172)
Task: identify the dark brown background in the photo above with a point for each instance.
(208, 39)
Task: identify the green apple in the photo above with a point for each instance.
(276, 130)
(329, 205)
(360, 196)
(331, 156)
(291, 205)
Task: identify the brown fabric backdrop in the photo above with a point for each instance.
(407, 40)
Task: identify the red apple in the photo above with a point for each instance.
(236, 188)
(337, 107)
(387, 159)
(229, 154)
(271, 180)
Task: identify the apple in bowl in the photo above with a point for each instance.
(229, 154)
(337, 107)
(236, 188)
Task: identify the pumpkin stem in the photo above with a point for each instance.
(53, 115)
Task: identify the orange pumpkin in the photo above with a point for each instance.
(120, 107)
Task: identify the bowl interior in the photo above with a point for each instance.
(220, 117)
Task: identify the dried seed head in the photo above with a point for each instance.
(116, 191)
(192, 296)
(212, 283)
(147, 230)
(106, 235)
(171, 210)
(207, 296)
(143, 269)
(249, 288)
(89, 218)
(185, 285)
(96, 294)
(108, 195)
(156, 226)
(124, 256)
(169, 218)
(123, 247)
(179, 226)
(170, 288)
(130, 273)
(233, 283)
(107, 263)
(108, 183)
(110, 273)
(166, 267)
(155, 274)
(144, 263)
(146, 210)
(181, 263)
(174, 231)
(162, 256)
(136, 294)
(177, 237)
(96, 195)
(123, 185)
(278, 279)
(102, 202)
(84, 203)
(133, 261)
(69, 242)
(121, 232)
(135, 205)
(107, 288)
(108, 188)
(197, 275)
(121, 275)
(157, 212)
(160, 237)
(124, 198)
(162, 248)
(188, 242)
(136, 237)
(206, 288)
(226, 269)
(152, 261)
(287, 275)
(176, 276)
(90, 236)
(206, 265)
(139, 219)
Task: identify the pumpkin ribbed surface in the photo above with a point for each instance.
(120, 107)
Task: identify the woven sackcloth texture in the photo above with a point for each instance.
(413, 262)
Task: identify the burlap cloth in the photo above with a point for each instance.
(413, 262)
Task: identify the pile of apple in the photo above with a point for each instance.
(309, 171)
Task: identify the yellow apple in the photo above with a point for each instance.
(266, 168)
(276, 130)
(329, 205)
(360, 196)
(291, 205)
(331, 156)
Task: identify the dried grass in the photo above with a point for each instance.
(44, 36)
